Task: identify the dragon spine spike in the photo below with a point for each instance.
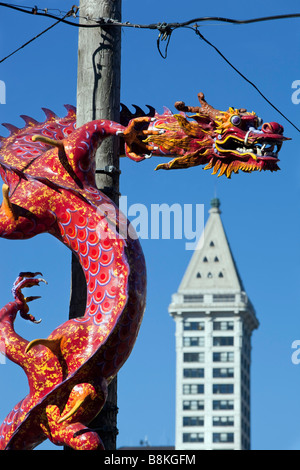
(138, 111)
(151, 110)
(50, 115)
(71, 111)
(124, 107)
(29, 121)
(70, 108)
(167, 111)
(126, 115)
(11, 128)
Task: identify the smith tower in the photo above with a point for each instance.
(214, 323)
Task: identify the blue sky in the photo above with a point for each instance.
(260, 211)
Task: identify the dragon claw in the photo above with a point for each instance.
(26, 279)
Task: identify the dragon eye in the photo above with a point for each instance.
(235, 120)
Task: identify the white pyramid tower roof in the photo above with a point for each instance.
(212, 266)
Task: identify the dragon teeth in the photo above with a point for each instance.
(259, 151)
(245, 150)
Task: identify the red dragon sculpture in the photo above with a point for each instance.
(48, 171)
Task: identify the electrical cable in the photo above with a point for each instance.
(45, 12)
(111, 22)
(165, 32)
(244, 77)
(35, 37)
(165, 35)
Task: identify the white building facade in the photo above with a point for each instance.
(214, 323)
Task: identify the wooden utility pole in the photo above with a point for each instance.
(98, 97)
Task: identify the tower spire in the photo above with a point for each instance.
(214, 322)
(212, 266)
(215, 205)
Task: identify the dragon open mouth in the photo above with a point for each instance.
(263, 149)
(249, 150)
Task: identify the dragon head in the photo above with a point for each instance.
(228, 141)
(243, 142)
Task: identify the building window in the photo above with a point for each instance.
(223, 421)
(223, 388)
(223, 341)
(193, 421)
(216, 259)
(205, 260)
(193, 405)
(223, 357)
(193, 341)
(221, 274)
(223, 325)
(198, 275)
(224, 372)
(211, 243)
(223, 437)
(193, 437)
(193, 325)
(193, 357)
(223, 404)
(192, 389)
(209, 275)
(193, 373)
(223, 297)
(193, 298)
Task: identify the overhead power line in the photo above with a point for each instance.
(166, 36)
(111, 22)
(165, 31)
(36, 37)
(44, 12)
(247, 80)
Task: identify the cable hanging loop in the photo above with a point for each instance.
(165, 32)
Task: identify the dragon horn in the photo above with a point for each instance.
(205, 108)
(47, 140)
